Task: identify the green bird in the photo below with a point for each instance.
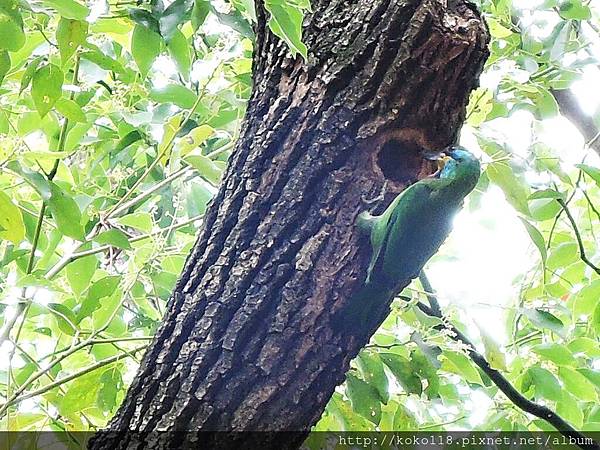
(413, 227)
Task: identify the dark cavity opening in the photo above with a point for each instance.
(400, 161)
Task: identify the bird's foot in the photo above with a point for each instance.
(378, 198)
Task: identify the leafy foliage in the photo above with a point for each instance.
(117, 119)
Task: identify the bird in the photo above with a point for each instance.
(413, 227)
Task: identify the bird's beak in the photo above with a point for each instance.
(443, 161)
(433, 156)
(441, 158)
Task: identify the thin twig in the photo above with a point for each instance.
(144, 195)
(506, 387)
(67, 259)
(162, 153)
(431, 296)
(591, 204)
(68, 378)
(582, 254)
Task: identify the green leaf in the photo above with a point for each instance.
(586, 299)
(114, 237)
(363, 398)
(66, 213)
(70, 110)
(127, 140)
(176, 13)
(404, 419)
(80, 396)
(4, 64)
(577, 384)
(593, 172)
(371, 369)
(111, 383)
(574, 9)
(247, 8)
(46, 87)
(70, 34)
(591, 375)
(546, 104)
(101, 60)
(496, 29)
(544, 209)
(547, 193)
(170, 129)
(12, 8)
(69, 9)
(403, 371)
(21, 375)
(80, 273)
(595, 320)
(199, 12)
(44, 156)
(546, 384)
(111, 25)
(286, 22)
(347, 417)
(145, 47)
(569, 409)
(36, 180)
(179, 49)
(585, 345)
(139, 296)
(65, 318)
(235, 21)
(140, 221)
(515, 190)
(106, 313)
(206, 167)
(174, 93)
(460, 364)
(97, 291)
(493, 352)
(12, 37)
(544, 320)
(537, 238)
(423, 360)
(556, 353)
(145, 19)
(562, 255)
(194, 139)
(35, 280)
(481, 103)
(12, 227)
(29, 73)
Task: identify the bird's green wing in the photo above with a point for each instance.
(383, 228)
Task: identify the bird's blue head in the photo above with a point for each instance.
(462, 166)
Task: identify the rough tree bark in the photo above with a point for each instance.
(251, 339)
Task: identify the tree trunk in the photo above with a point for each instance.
(251, 339)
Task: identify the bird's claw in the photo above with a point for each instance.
(378, 198)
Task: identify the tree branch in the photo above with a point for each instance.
(68, 378)
(431, 298)
(569, 107)
(582, 254)
(168, 146)
(67, 259)
(506, 387)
